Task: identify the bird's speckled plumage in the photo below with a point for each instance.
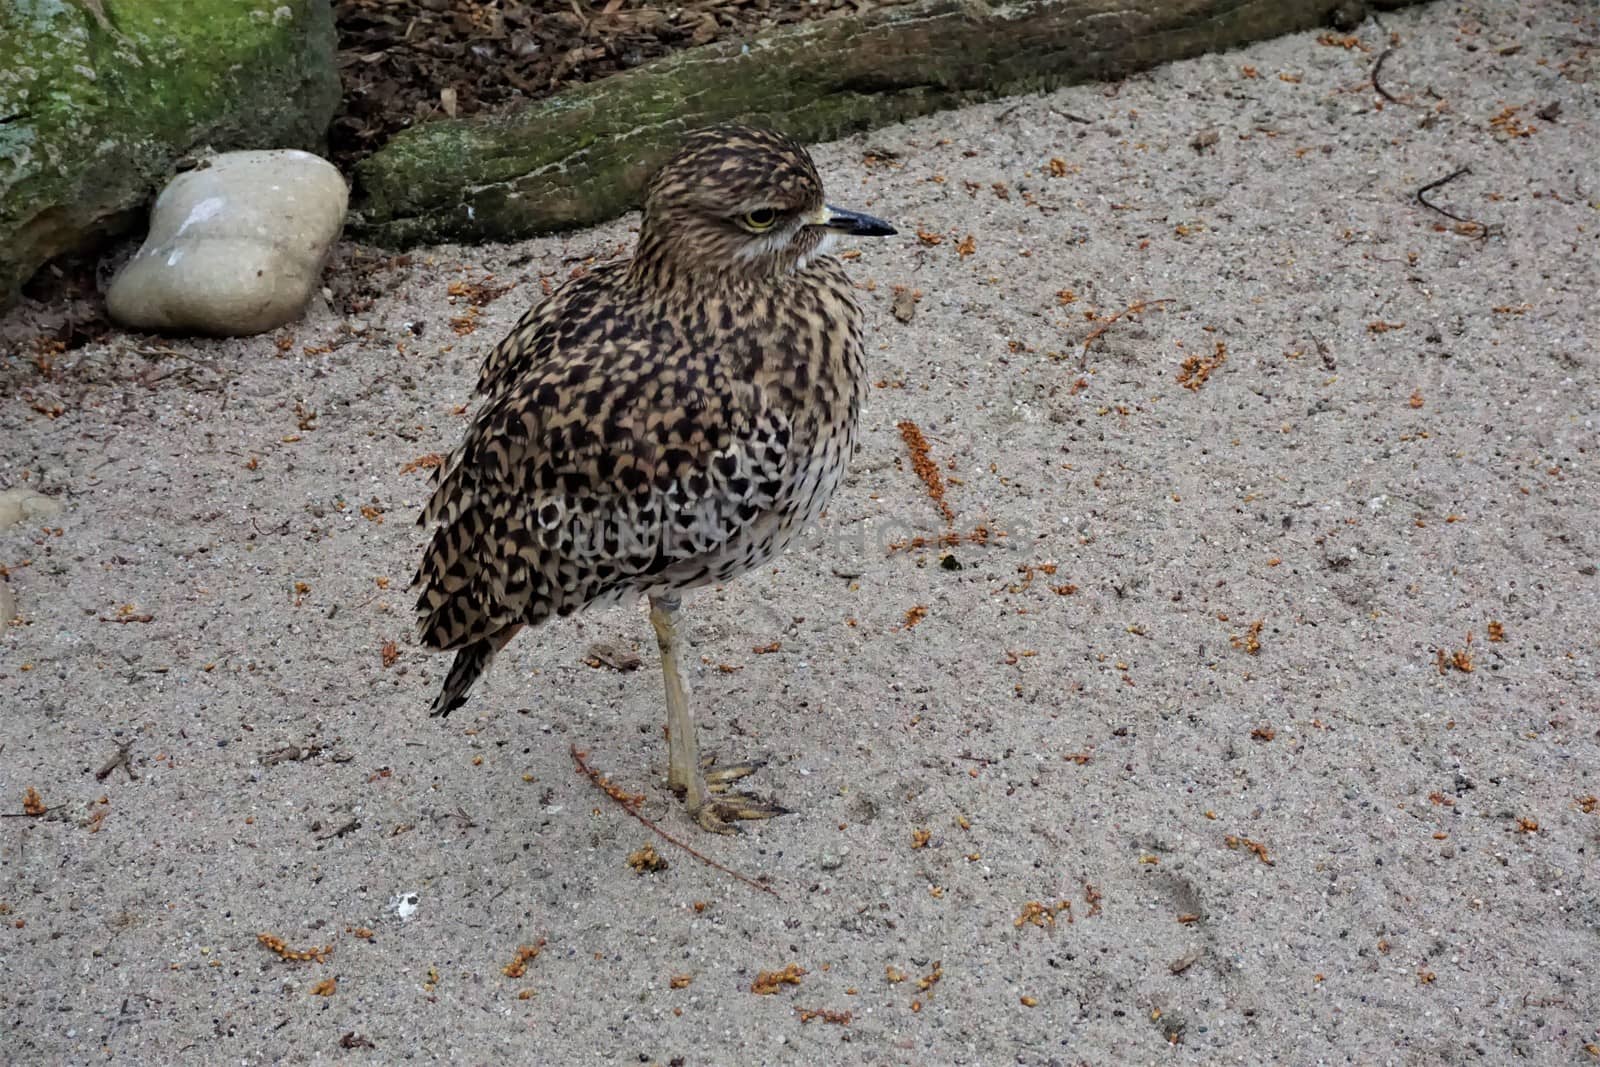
(660, 423)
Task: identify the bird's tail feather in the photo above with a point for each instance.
(470, 663)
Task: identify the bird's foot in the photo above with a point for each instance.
(720, 813)
(721, 808)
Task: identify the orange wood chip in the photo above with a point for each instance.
(769, 982)
(278, 945)
(926, 468)
(519, 963)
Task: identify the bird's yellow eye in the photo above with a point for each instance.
(762, 218)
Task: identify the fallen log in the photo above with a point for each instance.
(582, 156)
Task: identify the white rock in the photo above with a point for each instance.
(404, 905)
(17, 505)
(235, 247)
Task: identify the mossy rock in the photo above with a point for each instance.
(584, 155)
(98, 98)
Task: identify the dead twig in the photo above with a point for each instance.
(1070, 117)
(350, 827)
(1377, 69)
(1422, 196)
(626, 803)
(1132, 309)
(289, 752)
(463, 820)
(980, 535)
(119, 760)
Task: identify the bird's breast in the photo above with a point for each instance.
(802, 347)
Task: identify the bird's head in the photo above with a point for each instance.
(742, 203)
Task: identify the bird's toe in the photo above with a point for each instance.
(727, 809)
(718, 779)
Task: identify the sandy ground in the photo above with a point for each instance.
(1277, 700)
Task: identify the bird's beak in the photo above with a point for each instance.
(854, 223)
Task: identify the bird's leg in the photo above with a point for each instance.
(683, 765)
(686, 773)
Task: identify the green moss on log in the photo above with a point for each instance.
(583, 156)
(99, 97)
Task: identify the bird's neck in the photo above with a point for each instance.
(666, 265)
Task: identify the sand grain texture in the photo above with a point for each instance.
(1314, 840)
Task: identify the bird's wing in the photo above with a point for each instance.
(554, 323)
(598, 467)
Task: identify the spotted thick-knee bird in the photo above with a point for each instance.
(661, 423)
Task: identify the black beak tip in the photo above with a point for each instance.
(857, 224)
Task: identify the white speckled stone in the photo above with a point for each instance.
(19, 505)
(235, 247)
